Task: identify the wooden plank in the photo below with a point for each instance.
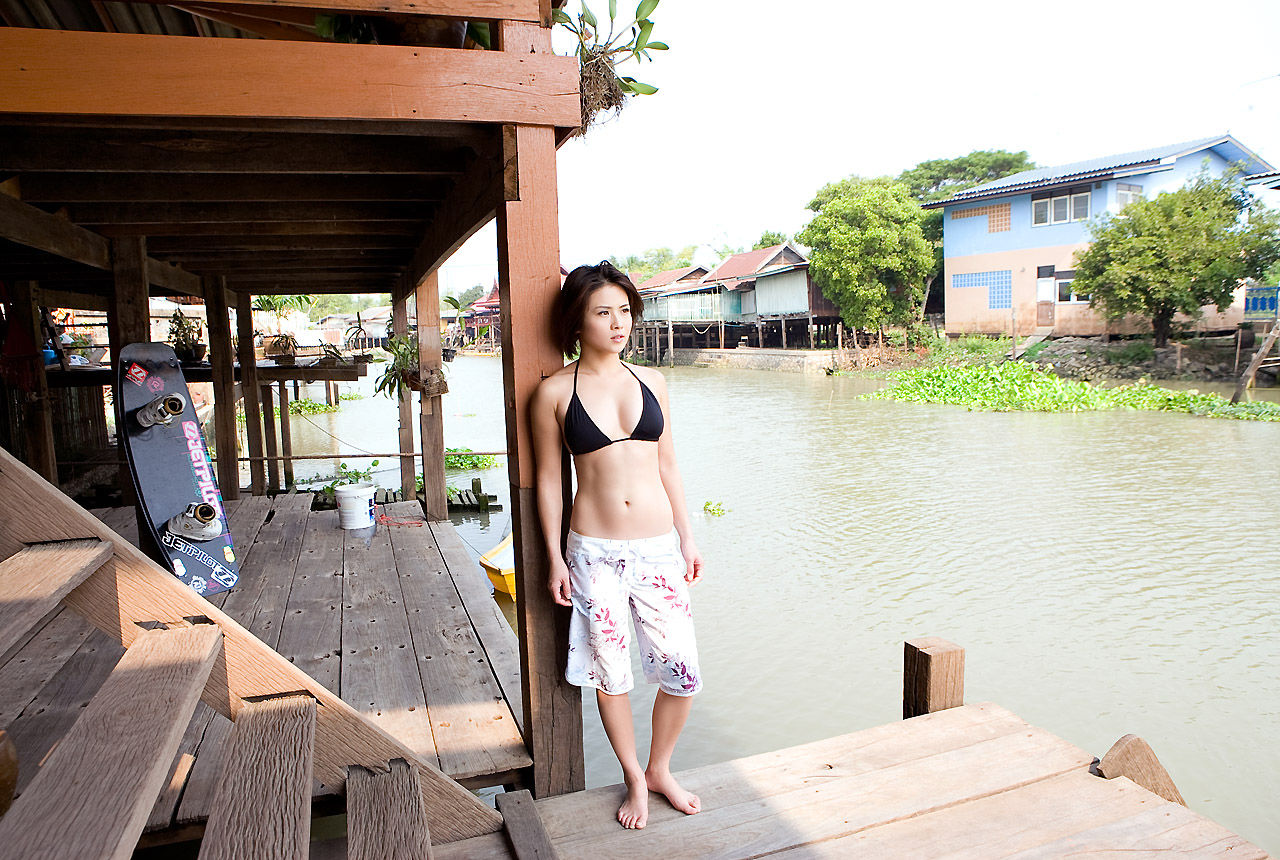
(1133, 757)
(38, 662)
(222, 358)
(172, 277)
(34, 580)
(379, 675)
(430, 409)
(139, 590)
(755, 779)
(67, 72)
(117, 753)
(528, 838)
(932, 676)
(501, 647)
(8, 771)
(385, 816)
(94, 214)
(286, 433)
(262, 807)
(831, 806)
(475, 731)
(270, 414)
(528, 283)
(249, 391)
(517, 10)
(25, 224)
(64, 188)
(311, 630)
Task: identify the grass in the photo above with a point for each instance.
(1021, 387)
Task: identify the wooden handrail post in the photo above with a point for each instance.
(932, 677)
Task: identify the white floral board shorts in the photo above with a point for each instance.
(646, 575)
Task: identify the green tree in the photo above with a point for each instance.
(655, 260)
(768, 239)
(279, 306)
(940, 178)
(470, 294)
(340, 303)
(1178, 252)
(869, 255)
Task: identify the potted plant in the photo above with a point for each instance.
(186, 335)
(283, 348)
(402, 374)
(602, 88)
(330, 356)
(354, 334)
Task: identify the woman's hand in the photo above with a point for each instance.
(558, 582)
(692, 564)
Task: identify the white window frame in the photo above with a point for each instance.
(1067, 200)
(1072, 297)
(1127, 193)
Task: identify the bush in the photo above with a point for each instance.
(463, 458)
(1133, 352)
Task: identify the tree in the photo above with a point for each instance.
(869, 255)
(470, 294)
(655, 260)
(768, 239)
(940, 178)
(279, 306)
(1178, 252)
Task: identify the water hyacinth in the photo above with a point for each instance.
(1021, 387)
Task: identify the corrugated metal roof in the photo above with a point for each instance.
(1096, 168)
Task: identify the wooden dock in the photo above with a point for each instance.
(400, 624)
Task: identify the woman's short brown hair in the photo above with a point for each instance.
(571, 303)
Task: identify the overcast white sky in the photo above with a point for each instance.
(760, 104)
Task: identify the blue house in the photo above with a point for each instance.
(1009, 245)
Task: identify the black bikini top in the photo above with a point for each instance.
(583, 436)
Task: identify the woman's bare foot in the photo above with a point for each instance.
(665, 784)
(633, 814)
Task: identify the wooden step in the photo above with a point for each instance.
(92, 796)
(385, 816)
(262, 805)
(525, 833)
(36, 578)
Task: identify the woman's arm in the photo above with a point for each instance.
(547, 452)
(674, 486)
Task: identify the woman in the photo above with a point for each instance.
(630, 548)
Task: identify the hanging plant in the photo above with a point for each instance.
(602, 87)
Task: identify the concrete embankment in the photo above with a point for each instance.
(752, 358)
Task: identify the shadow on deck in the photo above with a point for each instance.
(398, 623)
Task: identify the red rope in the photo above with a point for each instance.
(392, 521)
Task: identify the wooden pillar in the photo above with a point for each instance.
(528, 282)
(37, 409)
(249, 391)
(224, 385)
(400, 328)
(932, 676)
(129, 321)
(722, 334)
(431, 409)
(671, 344)
(330, 399)
(760, 333)
(782, 327)
(269, 425)
(810, 331)
(286, 434)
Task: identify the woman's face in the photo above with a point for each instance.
(606, 324)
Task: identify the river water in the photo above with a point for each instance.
(1106, 573)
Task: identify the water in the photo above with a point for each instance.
(1107, 573)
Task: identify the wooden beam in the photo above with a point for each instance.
(249, 391)
(431, 409)
(25, 224)
(250, 24)
(404, 406)
(172, 277)
(467, 10)
(135, 590)
(457, 133)
(35, 579)
(71, 72)
(92, 796)
(1133, 757)
(385, 816)
(269, 415)
(270, 228)
(286, 433)
(525, 831)
(262, 804)
(147, 151)
(114, 188)
(222, 359)
(528, 283)
(8, 771)
(75, 300)
(91, 214)
(37, 408)
(933, 676)
(164, 246)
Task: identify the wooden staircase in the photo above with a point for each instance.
(93, 793)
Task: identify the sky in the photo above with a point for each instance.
(760, 104)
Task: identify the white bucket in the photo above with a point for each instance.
(355, 505)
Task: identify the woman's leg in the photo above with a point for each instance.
(669, 715)
(615, 713)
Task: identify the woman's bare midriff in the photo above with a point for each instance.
(620, 494)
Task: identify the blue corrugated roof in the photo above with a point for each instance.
(1226, 146)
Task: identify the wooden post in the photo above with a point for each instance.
(671, 344)
(782, 325)
(722, 333)
(224, 385)
(933, 676)
(431, 409)
(1263, 351)
(528, 282)
(128, 322)
(286, 434)
(249, 391)
(760, 333)
(811, 345)
(37, 411)
(400, 328)
(269, 425)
